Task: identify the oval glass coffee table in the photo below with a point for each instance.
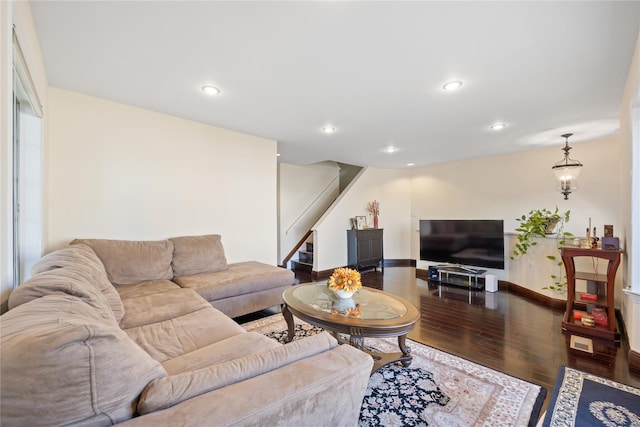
(369, 313)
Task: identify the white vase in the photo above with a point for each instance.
(343, 304)
(341, 293)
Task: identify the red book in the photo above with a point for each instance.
(600, 316)
(589, 297)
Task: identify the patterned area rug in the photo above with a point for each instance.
(437, 389)
(582, 399)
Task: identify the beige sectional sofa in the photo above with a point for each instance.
(119, 332)
(198, 263)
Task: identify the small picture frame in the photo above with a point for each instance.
(354, 224)
(361, 222)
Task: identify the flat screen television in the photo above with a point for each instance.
(478, 243)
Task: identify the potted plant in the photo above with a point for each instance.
(541, 223)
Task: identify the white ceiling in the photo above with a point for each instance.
(373, 70)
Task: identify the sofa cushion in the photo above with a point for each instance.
(154, 308)
(180, 335)
(62, 281)
(222, 351)
(129, 262)
(240, 305)
(85, 260)
(164, 392)
(238, 279)
(63, 364)
(142, 289)
(198, 254)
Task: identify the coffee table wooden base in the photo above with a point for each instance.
(356, 339)
(380, 359)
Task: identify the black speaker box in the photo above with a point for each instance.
(432, 273)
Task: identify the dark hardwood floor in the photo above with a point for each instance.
(503, 331)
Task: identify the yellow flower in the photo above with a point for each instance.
(346, 279)
(355, 312)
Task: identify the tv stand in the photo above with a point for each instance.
(466, 269)
(458, 275)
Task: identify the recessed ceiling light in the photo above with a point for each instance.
(411, 164)
(278, 154)
(390, 149)
(211, 90)
(498, 126)
(456, 84)
(328, 129)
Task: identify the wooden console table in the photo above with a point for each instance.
(365, 248)
(569, 323)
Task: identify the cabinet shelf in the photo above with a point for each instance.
(459, 282)
(601, 301)
(609, 332)
(594, 277)
(597, 331)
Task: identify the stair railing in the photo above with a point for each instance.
(318, 197)
(290, 255)
(322, 194)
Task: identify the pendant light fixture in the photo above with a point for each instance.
(567, 171)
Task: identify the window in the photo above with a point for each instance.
(27, 170)
(635, 198)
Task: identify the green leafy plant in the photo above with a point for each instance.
(540, 223)
(537, 223)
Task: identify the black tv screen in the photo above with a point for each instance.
(478, 243)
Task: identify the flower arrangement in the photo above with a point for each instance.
(374, 209)
(345, 279)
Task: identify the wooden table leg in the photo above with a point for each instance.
(382, 359)
(406, 351)
(291, 326)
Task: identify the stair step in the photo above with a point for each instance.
(301, 266)
(309, 246)
(306, 257)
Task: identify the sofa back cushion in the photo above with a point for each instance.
(62, 281)
(63, 364)
(84, 260)
(128, 262)
(198, 254)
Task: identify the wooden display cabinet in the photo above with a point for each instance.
(365, 248)
(569, 323)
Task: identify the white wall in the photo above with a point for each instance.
(121, 172)
(305, 192)
(392, 188)
(18, 15)
(505, 187)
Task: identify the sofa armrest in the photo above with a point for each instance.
(325, 389)
(164, 392)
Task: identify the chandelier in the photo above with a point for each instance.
(567, 171)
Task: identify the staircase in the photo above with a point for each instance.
(305, 259)
(299, 234)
